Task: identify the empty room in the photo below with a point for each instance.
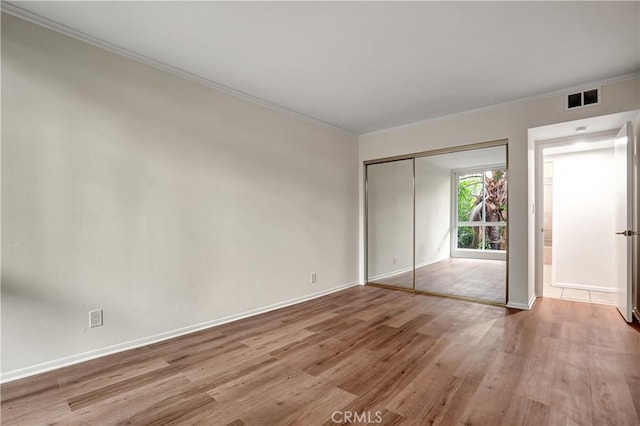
(319, 213)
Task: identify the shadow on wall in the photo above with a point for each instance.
(28, 334)
(161, 201)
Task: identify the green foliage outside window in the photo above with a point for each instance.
(473, 198)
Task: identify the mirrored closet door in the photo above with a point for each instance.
(390, 223)
(461, 233)
(437, 223)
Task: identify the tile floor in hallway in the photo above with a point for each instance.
(574, 294)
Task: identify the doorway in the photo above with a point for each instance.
(578, 235)
(585, 210)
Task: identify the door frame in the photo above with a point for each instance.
(630, 218)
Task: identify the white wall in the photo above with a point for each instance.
(161, 201)
(433, 212)
(584, 228)
(509, 121)
(390, 223)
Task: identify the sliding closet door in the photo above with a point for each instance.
(390, 223)
(460, 223)
(433, 223)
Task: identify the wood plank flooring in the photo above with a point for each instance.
(404, 359)
(475, 278)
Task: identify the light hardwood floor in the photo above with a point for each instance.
(417, 359)
(475, 278)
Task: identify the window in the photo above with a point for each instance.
(480, 213)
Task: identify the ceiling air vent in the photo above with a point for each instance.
(582, 99)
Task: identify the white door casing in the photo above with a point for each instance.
(624, 211)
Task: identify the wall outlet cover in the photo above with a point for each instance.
(95, 318)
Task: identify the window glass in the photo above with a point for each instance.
(482, 209)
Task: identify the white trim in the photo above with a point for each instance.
(12, 9)
(392, 273)
(485, 224)
(97, 353)
(481, 168)
(430, 262)
(573, 89)
(537, 209)
(479, 254)
(591, 137)
(402, 271)
(523, 306)
(602, 289)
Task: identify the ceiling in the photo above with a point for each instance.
(366, 66)
(578, 147)
(592, 125)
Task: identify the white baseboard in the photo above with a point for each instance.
(523, 306)
(402, 271)
(97, 353)
(430, 262)
(585, 287)
(390, 274)
(479, 254)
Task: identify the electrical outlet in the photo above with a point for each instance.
(95, 318)
(395, 260)
(313, 278)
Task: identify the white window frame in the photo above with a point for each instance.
(472, 253)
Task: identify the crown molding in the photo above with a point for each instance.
(12, 9)
(565, 91)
